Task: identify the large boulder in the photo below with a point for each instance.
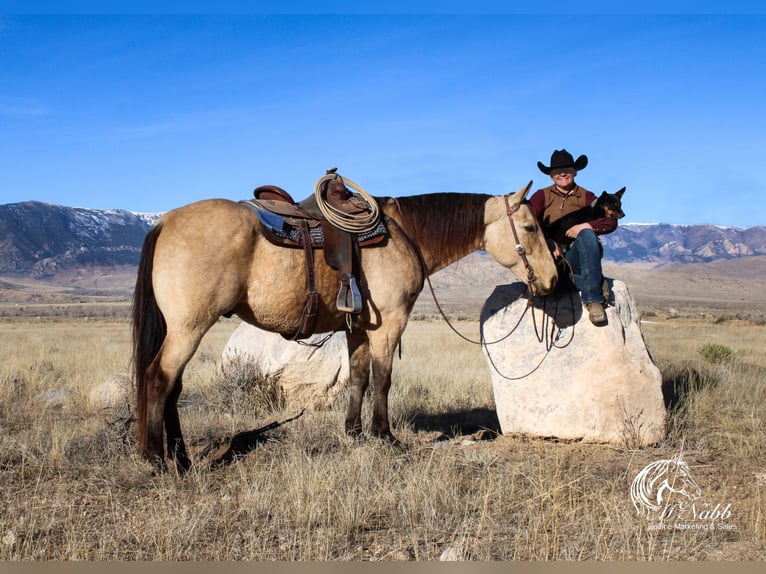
(580, 382)
(311, 374)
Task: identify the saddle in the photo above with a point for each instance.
(303, 226)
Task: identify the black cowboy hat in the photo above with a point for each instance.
(561, 158)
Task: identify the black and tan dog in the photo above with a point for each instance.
(607, 205)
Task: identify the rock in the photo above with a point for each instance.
(113, 394)
(10, 538)
(602, 386)
(401, 555)
(54, 399)
(451, 554)
(311, 376)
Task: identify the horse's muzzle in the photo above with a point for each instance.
(539, 287)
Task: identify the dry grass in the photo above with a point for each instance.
(73, 487)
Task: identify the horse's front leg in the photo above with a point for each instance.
(359, 378)
(381, 384)
(382, 353)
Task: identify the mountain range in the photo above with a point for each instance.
(664, 243)
(68, 256)
(41, 240)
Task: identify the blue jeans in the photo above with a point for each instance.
(584, 255)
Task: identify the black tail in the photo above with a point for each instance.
(149, 328)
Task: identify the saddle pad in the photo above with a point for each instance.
(284, 230)
(282, 233)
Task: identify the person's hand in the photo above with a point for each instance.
(575, 230)
(554, 249)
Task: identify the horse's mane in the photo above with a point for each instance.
(445, 226)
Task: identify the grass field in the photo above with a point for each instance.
(73, 487)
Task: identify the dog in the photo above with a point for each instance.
(607, 205)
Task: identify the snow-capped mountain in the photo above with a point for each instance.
(40, 239)
(665, 243)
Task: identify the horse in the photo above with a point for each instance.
(652, 487)
(210, 259)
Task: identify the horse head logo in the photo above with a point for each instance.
(653, 487)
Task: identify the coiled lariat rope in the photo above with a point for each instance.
(362, 222)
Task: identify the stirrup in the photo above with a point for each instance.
(349, 298)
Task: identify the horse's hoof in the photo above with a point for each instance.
(389, 439)
(398, 445)
(156, 461)
(183, 466)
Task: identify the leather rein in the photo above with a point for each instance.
(546, 333)
(509, 211)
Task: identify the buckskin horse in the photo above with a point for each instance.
(210, 259)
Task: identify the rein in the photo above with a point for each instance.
(547, 333)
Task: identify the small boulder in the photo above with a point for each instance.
(54, 399)
(113, 394)
(581, 382)
(310, 374)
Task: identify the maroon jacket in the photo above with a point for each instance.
(549, 204)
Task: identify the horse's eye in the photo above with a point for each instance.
(530, 228)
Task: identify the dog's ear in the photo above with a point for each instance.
(619, 193)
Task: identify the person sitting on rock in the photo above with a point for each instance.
(585, 252)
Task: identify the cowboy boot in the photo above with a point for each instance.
(596, 313)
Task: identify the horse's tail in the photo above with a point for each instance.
(149, 328)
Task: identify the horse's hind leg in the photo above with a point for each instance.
(173, 436)
(163, 390)
(359, 378)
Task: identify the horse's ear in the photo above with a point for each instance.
(520, 195)
(526, 189)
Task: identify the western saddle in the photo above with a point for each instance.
(304, 226)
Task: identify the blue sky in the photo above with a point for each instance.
(151, 111)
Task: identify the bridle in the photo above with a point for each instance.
(509, 211)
